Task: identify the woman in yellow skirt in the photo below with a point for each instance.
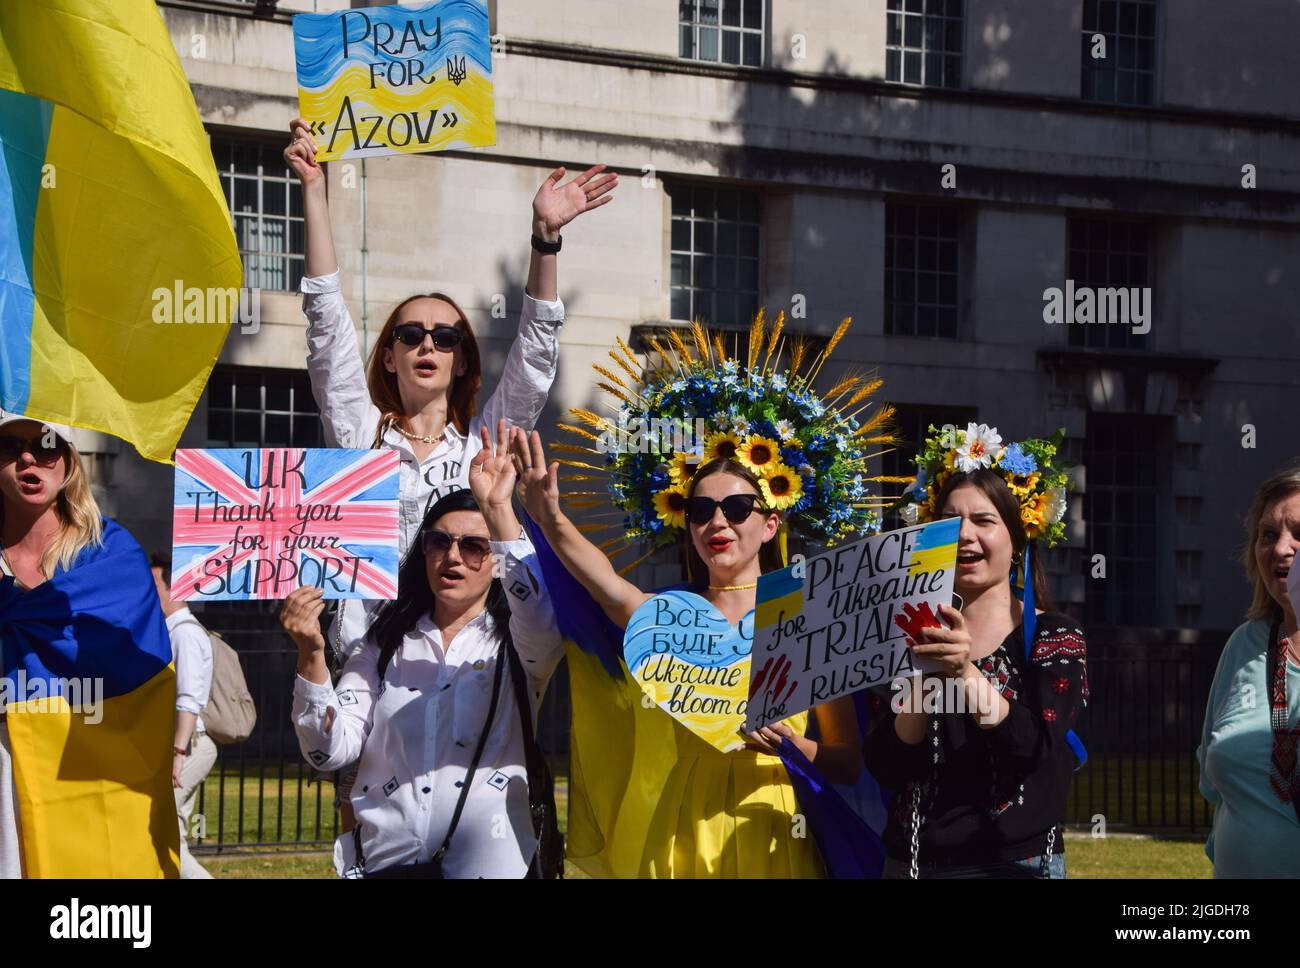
(649, 797)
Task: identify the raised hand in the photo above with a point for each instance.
(301, 154)
(492, 471)
(539, 485)
(950, 647)
(556, 205)
(300, 616)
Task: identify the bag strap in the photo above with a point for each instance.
(478, 753)
(533, 762)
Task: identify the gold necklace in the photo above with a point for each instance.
(732, 588)
(424, 439)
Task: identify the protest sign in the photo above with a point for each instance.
(258, 523)
(692, 663)
(396, 80)
(826, 628)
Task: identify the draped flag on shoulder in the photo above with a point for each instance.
(619, 745)
(89, 697)
(110, 208)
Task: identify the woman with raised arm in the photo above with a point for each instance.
(720, 814)
(441, 702)
(418, 392)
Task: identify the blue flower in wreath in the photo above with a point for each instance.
(1017, 462)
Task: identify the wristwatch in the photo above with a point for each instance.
(547, 248)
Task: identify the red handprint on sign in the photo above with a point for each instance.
(916, 618)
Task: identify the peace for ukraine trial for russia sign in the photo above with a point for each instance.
(827, 628)
(260, 522)
(397, 79)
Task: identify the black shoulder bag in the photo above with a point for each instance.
(548, 862)
(432, 869)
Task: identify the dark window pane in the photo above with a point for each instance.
(681, 304)
(753, 50)
(681, 235)
(277, 430)
(731, 13)
(218, 428)
(754, 14)
(730, 47)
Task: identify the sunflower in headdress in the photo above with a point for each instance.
(721, 445)
(756, 405)
(670, 506)
(759, 453)
(782, 487)
(682, 466)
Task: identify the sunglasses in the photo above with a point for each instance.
(473, 548)
(735, 508)
(413, 334)
(11, 448)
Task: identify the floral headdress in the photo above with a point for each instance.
(698, 404)
(1029, 469)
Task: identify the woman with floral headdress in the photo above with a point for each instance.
(980, 789)
(649, 795)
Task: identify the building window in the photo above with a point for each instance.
(257, 407)
(265, 202)
(715, 255)
(1126, 74)
(1106, 255)
(923, 42)
(1125, 513)
(721, 31)
(921, 270)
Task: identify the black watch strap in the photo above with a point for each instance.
(548, 248)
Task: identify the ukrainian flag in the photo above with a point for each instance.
(108, 195)
(93, 781)
(935, 548)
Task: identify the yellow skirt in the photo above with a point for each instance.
(648, 798)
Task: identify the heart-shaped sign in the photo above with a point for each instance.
(692, 664)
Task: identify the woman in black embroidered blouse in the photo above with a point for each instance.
(980, 787)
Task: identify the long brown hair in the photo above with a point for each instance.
(769, 555)
(1281, 485)
(461, 405)
(992, 486)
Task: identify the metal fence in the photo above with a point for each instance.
(1148, 689)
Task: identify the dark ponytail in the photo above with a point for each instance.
(415, 599)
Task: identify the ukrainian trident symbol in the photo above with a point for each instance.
(456, 70)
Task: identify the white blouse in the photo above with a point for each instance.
(417, 731)
(350, 419)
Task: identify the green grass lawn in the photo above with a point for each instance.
(1114, 856)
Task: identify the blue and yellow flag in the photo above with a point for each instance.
(109, 204)
(90, 695)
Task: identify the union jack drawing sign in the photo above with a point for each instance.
(258, 523)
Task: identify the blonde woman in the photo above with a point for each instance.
(81, 622)
(1248, 751)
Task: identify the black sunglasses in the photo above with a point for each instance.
(473, 548)
(413, 334)
(735, 508)
(11, 448)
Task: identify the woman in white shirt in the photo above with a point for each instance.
(431, 689)
(417, 392)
